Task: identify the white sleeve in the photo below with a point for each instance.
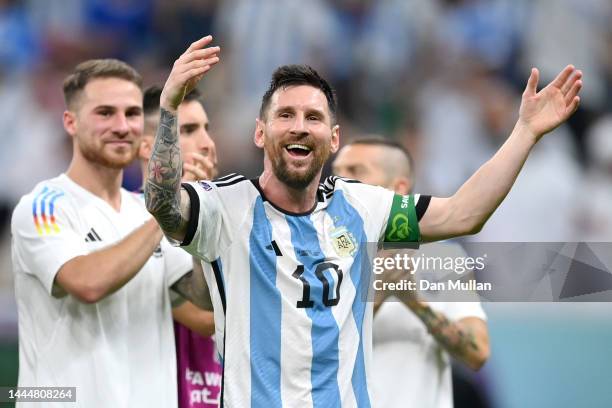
(374, 204)
(393, 217)
(208, 231)
(44, 236)
(177, 262)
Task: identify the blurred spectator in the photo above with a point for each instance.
(256, 38)
(19, 48)
(33, 142)
(181, 22)
(560, 32)
(595, 198)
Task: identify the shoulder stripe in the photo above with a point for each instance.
(226, 177)
(231, 182)
(43, 211)
(330, 183)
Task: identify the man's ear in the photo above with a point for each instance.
(146, 147)
(258, 137)
(335, 139)
(70, 122)
(402, 185)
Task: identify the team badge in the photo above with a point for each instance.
(205, 185)
(343, 242)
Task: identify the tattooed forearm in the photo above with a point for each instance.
(162, 187)
(457, 340)
(194, 289)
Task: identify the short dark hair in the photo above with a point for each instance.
(385, 142)
(150, 100)
(151, 96)
(194, 95)
(97, 68)
(293, 75)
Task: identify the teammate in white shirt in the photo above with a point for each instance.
(91, 278)
(412, 340)
(287, 266)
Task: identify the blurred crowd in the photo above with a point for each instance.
(444, 77)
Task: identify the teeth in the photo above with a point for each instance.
(299, 146)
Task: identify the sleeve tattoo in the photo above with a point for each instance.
(162, 187)
(193, 287)
(457, 340)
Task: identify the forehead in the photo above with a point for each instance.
(191, 111)
(358, 154)
(115, 92)
(302, 97)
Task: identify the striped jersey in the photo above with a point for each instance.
(292, 326)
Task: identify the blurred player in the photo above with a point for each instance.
(411, 366)
(199, 370)
(91, 278)
(285, 255)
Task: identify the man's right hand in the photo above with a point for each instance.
(201, 167)
(187, 71)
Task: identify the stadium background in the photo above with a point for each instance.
(443, 77)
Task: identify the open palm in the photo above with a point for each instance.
(187, 71)
(543, 111)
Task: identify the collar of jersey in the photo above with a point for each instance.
(320, 199)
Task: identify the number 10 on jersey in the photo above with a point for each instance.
(328, 299)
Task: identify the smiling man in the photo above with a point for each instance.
(285, 251)
(91, 277)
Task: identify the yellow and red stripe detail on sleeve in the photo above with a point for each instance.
(43, 204)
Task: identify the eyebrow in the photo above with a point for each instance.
(290, 108)
(111, 107)
(351, 166)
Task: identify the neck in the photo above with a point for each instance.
(287, 198)
(99, 180)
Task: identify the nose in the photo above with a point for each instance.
(299, 127)
(205, 142)
(120, 124)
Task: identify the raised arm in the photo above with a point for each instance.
(471, 206)
(163, 195)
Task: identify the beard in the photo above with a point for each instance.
(100, 156)
(301, 178)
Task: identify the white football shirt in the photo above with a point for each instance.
(118, 352)
(410, 368)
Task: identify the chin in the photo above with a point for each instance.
(117, 162)
(297, 179)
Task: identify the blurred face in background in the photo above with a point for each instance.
(193, 128)
(377, 165)
(106, 122)
(297, 135)
(194, 138)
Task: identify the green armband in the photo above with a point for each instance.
(402, 224)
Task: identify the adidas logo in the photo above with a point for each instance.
(274, 247)
(92, 236)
